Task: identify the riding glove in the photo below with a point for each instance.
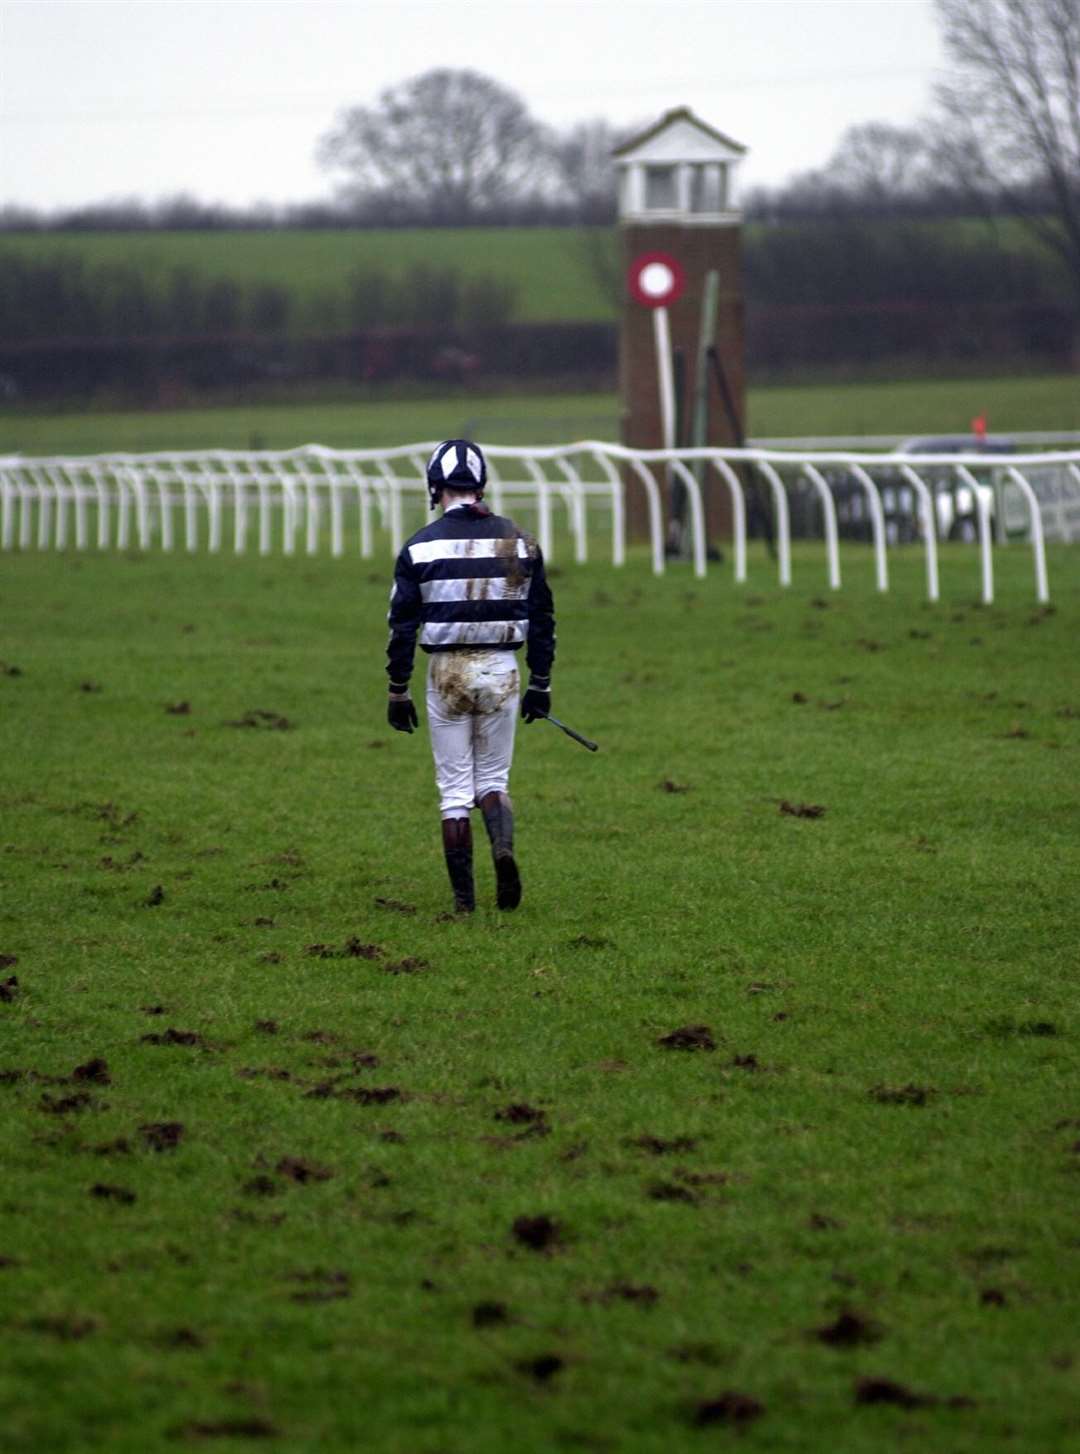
(401, 714)
(537, 699)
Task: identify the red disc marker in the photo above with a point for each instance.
(656, 279)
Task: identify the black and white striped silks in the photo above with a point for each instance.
(470, 579)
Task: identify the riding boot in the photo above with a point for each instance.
(457, 846)
(499, 821)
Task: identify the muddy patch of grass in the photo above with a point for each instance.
(395, 906)
(490, 1315)
(520, 1113)
(106, 1192)
(412, 964)
(295, 1168)
(259, 718)
(875, 1390)
(542, 1368)
(538, 1233)
(735, 1410)
(172, 1036)
(319, 1286)
(849, 1330)
(669, 1191)
(353, 948)
(66, 1105)
(642, 1294)
(659, 1146)
(902, 1095)
(241, 1428)
(180, 1340)
(162, 1135)
(688, 1037)
(94, 1072)
(68, 1329)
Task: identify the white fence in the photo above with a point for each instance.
(292, 499)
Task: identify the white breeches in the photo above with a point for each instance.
(472, 709)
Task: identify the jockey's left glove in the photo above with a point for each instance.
(537, 699)
(401, 712)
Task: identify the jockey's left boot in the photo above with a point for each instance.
(499, 822)
(457, 847)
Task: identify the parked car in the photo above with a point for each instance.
(954, 505)
(953, 501)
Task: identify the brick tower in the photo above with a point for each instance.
(676, 197)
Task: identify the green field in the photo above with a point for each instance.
(926, 406)
(291, 1160)
(549, 266)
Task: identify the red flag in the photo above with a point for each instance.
(978, 426)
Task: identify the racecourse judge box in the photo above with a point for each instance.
(677, 196)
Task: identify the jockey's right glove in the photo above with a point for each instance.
(537, 699)
(401, 713)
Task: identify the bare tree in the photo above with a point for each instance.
(1011, 111)
(877, 169)
(445, 146)
(584, 171)
(880, 164)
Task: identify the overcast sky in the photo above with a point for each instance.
(226, 100)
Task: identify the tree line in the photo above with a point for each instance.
(66, 296)
(826, 261)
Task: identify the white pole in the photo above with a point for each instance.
(265, 515)
(1042, 589)
(191, 518)
(665, 376)
(929, 523)
(656, 524)
(165, 506)
(783, 523)
(337, 518)
(697, 515)
(142, 511)
(543, 505)
(817, 479)
(982, 515)
(80, 511)
(877, 520)
(45, 499)
(8, 528)
(738, 513)
(214, 502)
(618, 514)
(574, 499)
(240, 513)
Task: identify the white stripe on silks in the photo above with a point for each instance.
(476, 588)
(426, 551)
(472, 633)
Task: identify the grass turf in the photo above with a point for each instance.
(850, 1225)
(1048, 402)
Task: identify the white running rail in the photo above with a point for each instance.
(301, 499)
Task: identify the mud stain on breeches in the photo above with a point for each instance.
(452, 681)
(472, 683)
